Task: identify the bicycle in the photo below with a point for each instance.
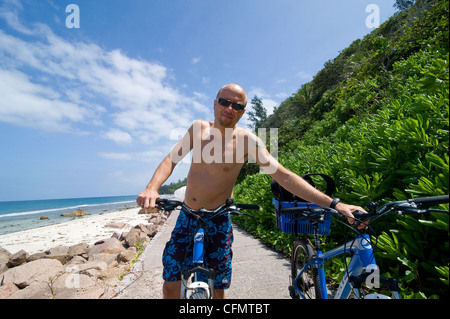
(308, 263)
(194, 285)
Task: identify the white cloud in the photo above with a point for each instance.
(118, 136)
(200, 96)
(259, 92)
(270, 105)
(9, 12)
(28, 104)
(50, 83)
(268, 102)
(153, 157)
(116, 156)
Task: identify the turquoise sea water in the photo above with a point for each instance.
(21, 215)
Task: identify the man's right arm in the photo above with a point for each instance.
(147, 198)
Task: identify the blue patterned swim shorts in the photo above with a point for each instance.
(218, 254)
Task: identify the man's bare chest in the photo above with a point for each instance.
(223, 150)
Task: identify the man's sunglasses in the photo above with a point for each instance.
(234, 105)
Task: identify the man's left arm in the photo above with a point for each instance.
(294, 183)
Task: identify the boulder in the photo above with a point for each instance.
(158, 220)
(78, 250)
(7, 290)
(77, 271)
(76, 260)
(144, 228)
(77, 286)
(59, 253)
(110, 246)
(90, 268)
(4, 259)
(109, 259)
(76, 213)
(116, 235)
(18, 258)
(111, 276)
(36, 271)
(152, 230)
(37, 290)
(144, 211)
(37, 256)
(133, 237)
(127, 255)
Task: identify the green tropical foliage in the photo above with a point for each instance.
(376, 119)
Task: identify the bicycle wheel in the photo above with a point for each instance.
(308, 283)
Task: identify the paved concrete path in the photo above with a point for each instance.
(258, 272)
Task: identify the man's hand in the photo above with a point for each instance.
(147, 199)
(348, 210)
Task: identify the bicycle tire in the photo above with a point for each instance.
(308, 283)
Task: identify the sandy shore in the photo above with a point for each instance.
(87, 229)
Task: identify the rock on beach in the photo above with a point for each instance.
(76, 213)
(78, 271)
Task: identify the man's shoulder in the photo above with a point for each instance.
(244, 132)
(202, 123)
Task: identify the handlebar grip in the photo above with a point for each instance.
(167, 204)
(362, 216)
(160, 201)
(248, 206)
(430, 201)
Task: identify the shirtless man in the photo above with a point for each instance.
(220, 149)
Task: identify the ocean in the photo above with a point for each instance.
(21, 215)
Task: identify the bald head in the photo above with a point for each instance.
(233, 89)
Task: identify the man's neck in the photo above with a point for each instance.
(224, 129)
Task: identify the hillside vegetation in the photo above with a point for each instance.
(376, 119)
(172, 187)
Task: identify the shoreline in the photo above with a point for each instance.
(87, 229)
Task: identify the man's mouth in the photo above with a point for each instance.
(227, 115)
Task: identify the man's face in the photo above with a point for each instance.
(227, 116)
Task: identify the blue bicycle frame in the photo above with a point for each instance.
(363, 259)
(198, 288)
(198, 247)
(197, 269)
(362, 268)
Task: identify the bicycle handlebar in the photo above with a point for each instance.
(409, 206)
(229, 206)
(430, 201)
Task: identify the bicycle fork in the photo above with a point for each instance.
(197, 289)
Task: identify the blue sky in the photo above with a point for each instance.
(91, 111)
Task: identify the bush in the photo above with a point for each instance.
(398, 151)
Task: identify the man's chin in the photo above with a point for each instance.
(226, 121)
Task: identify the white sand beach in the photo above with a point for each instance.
(87, 229)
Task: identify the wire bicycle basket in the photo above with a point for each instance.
(286, 224)
(284, 199)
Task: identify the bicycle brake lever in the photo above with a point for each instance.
(372, 206)
(238, 213)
